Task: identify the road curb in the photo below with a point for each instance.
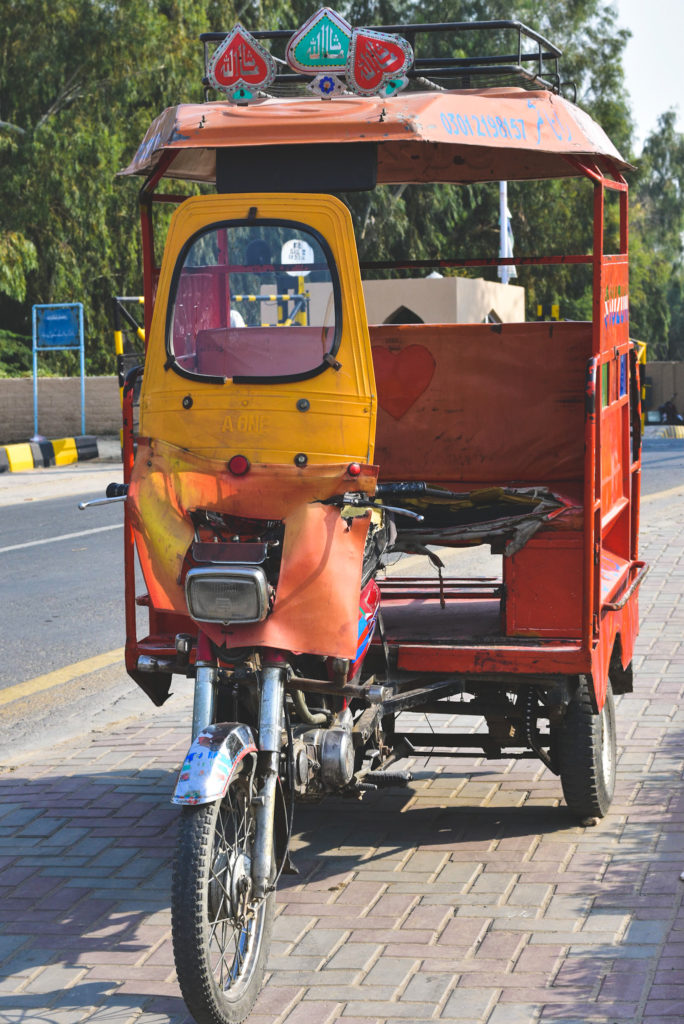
(64, 451)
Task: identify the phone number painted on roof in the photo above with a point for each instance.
(496, 127)
(487, 127)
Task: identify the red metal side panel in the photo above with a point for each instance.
(612, 523)
(541, 659)
(543, 583)
(612, 478)
(625, 623)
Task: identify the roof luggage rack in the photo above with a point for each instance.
(510, 54)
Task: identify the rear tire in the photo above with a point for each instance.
(220, 942)
(586, 754)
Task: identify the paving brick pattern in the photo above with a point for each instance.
(470, 898)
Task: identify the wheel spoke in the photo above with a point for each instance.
(229, 938)
(229, 934)
(217, 920)
(239, 960)
(221, 948)
(225, 894)
(230, 973)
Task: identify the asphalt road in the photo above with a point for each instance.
(61, 594)
(62, 600)
(61, 590)
(662, 464)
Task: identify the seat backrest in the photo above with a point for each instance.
(260, 351)
(481, 402)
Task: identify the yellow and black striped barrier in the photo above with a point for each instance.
(123, 316)
(41, 454)
(284, 297)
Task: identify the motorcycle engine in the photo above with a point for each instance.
(323, 756)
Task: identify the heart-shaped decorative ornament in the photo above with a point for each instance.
(321, 44)
(377, 61)
(402, 377)
(240, 64)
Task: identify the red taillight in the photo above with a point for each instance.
(239, 465)
(354, 469)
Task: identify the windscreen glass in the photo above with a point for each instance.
(254, 301)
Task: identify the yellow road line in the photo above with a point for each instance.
(670, 492)
(61, 676)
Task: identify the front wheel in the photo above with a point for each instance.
(221, 937)
(585, 751)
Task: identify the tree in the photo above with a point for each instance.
(17, 258)
(78, 93)
(657, 223)
(80, 81)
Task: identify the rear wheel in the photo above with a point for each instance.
(221, 936)
(585, 751)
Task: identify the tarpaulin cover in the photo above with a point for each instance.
(464, 135)
(316, 609)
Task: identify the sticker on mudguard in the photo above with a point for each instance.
(211, 761)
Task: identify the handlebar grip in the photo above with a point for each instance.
(115, 490)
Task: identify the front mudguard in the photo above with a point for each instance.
(211, 762)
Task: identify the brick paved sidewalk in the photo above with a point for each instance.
(469, 898)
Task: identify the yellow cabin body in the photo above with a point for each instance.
(190, 396)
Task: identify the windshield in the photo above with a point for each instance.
(253, 302)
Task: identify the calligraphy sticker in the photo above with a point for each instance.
(377, 63)
(240, 64)
(321, 44)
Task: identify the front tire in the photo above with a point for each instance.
(221, 938)
(586, 754)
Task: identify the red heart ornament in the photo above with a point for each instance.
(240, 61)
(376, 58)
(402, 377)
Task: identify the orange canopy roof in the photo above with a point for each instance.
(458, 136)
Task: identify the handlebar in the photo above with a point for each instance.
(114, 492)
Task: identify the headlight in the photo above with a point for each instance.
(238, 594)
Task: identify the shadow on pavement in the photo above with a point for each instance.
(87, 880)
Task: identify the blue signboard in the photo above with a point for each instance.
(57, 326)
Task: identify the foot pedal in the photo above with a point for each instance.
(386, 779)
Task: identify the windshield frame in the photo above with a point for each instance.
(329, 359)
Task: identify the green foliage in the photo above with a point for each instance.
(657, 223)
(15, 355)
(17, 257)
(80, 82)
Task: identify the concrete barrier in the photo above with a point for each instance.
(40, 454)
(59, 407)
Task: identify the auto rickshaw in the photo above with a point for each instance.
(287, 450)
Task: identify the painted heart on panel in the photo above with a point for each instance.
(402, 377)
